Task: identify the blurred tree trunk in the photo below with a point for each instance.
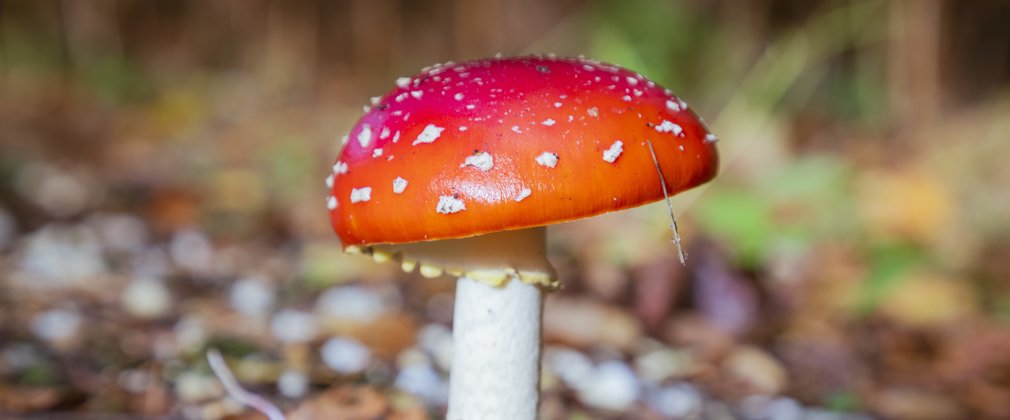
(914, 67)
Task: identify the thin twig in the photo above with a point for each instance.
(669, 206)
(236, 391)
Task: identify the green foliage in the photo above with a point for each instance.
(742, 219)
(888, 264)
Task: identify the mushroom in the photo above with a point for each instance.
(476, 159)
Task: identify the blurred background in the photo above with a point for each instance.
(161, 193)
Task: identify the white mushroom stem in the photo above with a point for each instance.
(496, 351)
(496, 326)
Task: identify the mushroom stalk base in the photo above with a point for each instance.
(496, 351)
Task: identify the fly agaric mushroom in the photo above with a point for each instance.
(459, 169)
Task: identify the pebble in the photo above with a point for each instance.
(190, 334)
(412, 356)
(62, 256)
(152, 262)
(345, 355)
(600, 324)
(191, 250)
(762, 372)
(146, 298)
(19, 356)
(657, 366)
(758, 407)
(293, 383)
(351, 303)
(58, 191)
(676, 401)
(424, 381)
(121, 232)
(252, 296)
(436, 340)
(193, 387)
(612, 386)
(574, 368)
(294, 326)
(135, 380)
(56, 326)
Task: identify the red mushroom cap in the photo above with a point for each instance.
(509, 143)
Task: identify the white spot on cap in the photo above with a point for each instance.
(399, 184)
(636, 92)
(458, 96)
(516, 129)
(593, 112)
(385, 133)
(548, 159)
(401, 97)
(471, 106)
(462, 128)
(614, 152)
(329, 181)
(548, 122)
(365, 136)
(361, 194)
(416, 94)
(557, 104)
(626, 98)
(482, 161)
(331, 203)
(669, 127)
(448, 204)
(523, 193)
(711, 138)
(377, 152)
(673, 105)
(632, 81)
(396, 137)
(375, 100)
(340, 168)
(681, 147)
(428, 135)
(402, 82)
(343, 139)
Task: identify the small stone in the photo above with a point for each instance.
(612, 386)
(293, 383)
(345, 355)
(56, 326)
(121, 232)
(436, 339)
(574, 368)
(146, 298)
(191, 250)
(293, 326)
(423, 381)
(758, 369)
(677, 401)
(252, 296)
(351, 303)
(61, 256)
(193, 387)
(659, 365)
